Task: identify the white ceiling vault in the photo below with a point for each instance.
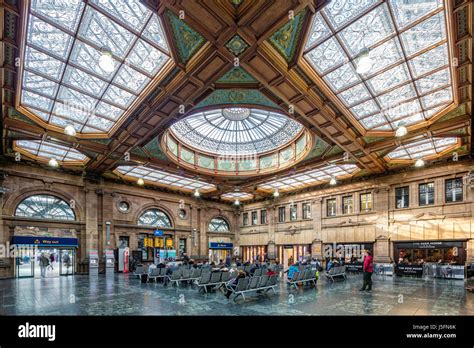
(407, 75)
(62, 82)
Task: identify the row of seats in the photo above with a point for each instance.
(305, 276)
(253, 284)
(209, 280)
(334, 272)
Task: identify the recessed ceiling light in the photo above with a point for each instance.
(419, 162)
(53, 163)
(365, 63)
(106, 61)
(140, 182)
(333, 181)
(401, 131)
(69, 130)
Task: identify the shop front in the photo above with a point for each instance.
(219, 251)
(349, 254)
(38, 256)
(289, 254)
(253, 253)
(440, 259)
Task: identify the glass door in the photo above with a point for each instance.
(46, 263)
(24, 263)
(67, 260)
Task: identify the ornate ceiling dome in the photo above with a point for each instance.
(235, 130)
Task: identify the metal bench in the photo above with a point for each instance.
(304, 276)
(254, 284)
(139, 270)
(335, 272)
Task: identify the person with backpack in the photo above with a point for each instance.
(44, 263)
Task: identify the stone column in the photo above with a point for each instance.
(271, 246)
(381, 204)
(91, 239)
(317, 216)
(202, 232)
(6, 264)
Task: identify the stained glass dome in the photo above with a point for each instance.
(236, 131)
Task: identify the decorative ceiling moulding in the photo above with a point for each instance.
(287, 40)
(186, 40)
(67, 81)
(237, 97)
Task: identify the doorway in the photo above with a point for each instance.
(58, 262)
(288, 257)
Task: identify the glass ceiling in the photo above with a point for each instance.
(409, 79)
(62, 81)
(242, 196)
(236, 131)
(164, 178)
(312, 177)
(49, 150)
(422, 149)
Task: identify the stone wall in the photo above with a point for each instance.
(383, 225)
(96, 202)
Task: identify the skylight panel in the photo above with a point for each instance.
(146, 57)
(42, 63)
(368, 30)
(36, 101)
(39, 84)
(41, 114)
(433, 81)
(383, 56)
(365, 109)
(83, 81)
(440, 97)
(373, 121)
(423, 148)
(397, 96)
(87, 57)
(47, 150)
(129, 12)
(342, 77)
(155, 33)
(389, 79)
(164, 178)
(64, 13)
(318, 32)
(47, 37)
(118, 96)
(327, 55)
(340, 12)
(354, 95)
(429, 61)
(407, 12)
(423, 35)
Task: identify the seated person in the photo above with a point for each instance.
(292, 271)
(233, 283)
(270, 272)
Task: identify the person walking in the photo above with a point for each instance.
(368, 271)
(44, 262)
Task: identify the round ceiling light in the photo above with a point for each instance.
(53, 163)
(365, 63)
(106, 61)
(419, 163)
(401, 131)
(69, 130)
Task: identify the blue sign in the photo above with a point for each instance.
(213, 245)
(158, 233)
(44, 241)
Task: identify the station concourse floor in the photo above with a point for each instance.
(124, 294)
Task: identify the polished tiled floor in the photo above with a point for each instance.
(125, 295)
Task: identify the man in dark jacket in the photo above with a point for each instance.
(368, 271)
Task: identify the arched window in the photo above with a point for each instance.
(219, 224)
(45, 207)
(155, 218)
